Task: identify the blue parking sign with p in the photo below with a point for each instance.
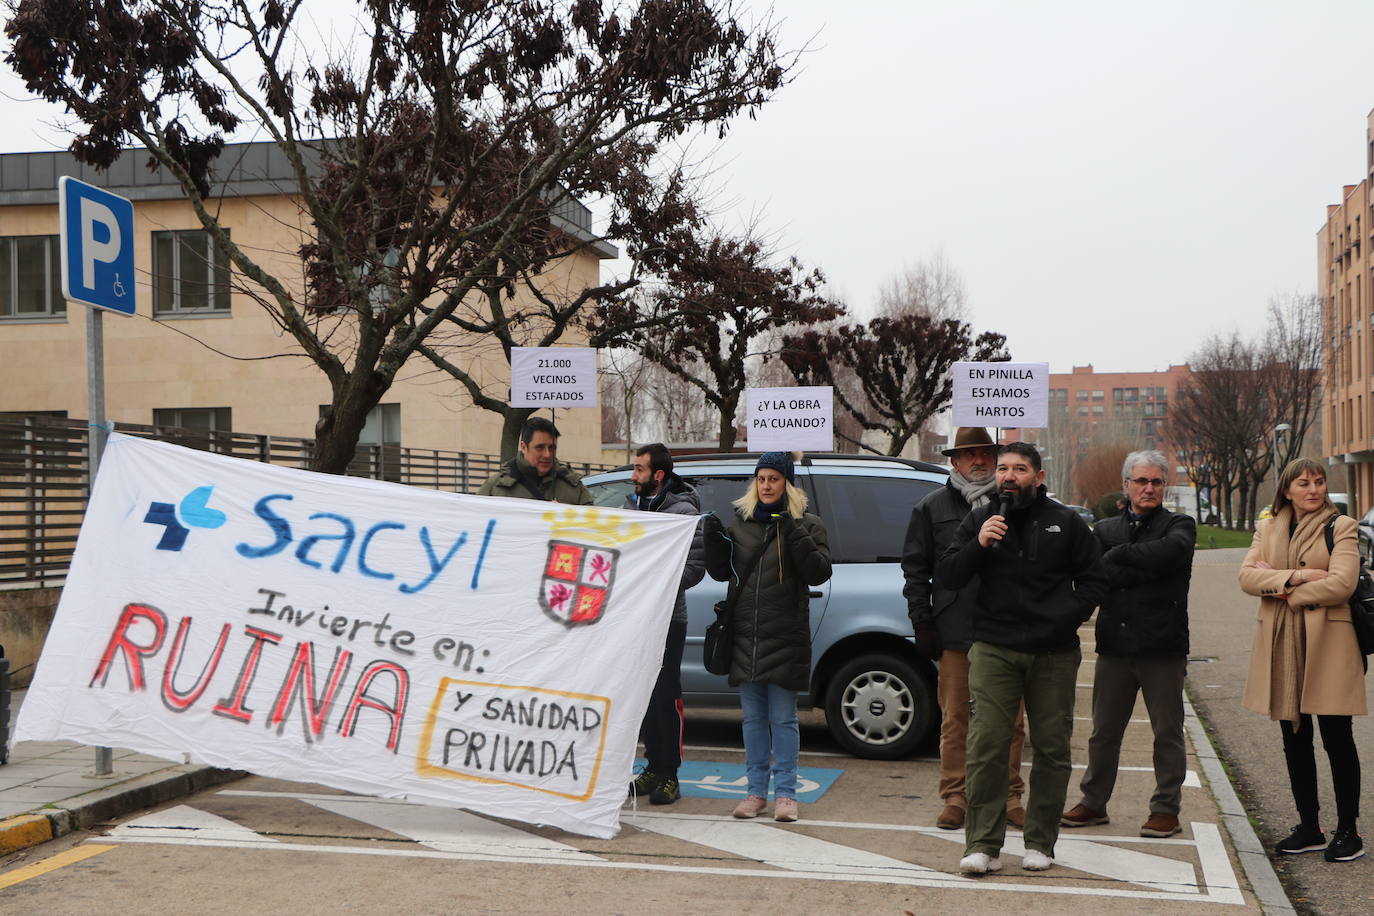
(97, 242)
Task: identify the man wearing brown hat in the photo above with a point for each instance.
(943, 618)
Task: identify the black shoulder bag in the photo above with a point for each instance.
(1361, 602)
(720, 643)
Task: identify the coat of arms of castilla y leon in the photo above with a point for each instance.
(579, 569)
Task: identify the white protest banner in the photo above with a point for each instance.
(1002, 394)
(553, 377)
(485, 653)
(790, 419)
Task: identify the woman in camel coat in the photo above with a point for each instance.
(1305, 660)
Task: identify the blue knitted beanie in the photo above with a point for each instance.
(780, 462)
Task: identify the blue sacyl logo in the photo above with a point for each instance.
(194, 512)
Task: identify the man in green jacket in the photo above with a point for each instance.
(535, 473)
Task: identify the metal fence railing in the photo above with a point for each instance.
(44, 480)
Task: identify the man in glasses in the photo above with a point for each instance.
(1142, 644)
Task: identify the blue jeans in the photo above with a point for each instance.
(770, 730)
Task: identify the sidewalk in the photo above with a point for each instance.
(49, 788)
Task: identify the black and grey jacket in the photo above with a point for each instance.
(1149, 566)
(1038, 585)
(678, 497)
(933, 523)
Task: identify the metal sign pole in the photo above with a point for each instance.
(97, 433)
(96, 233)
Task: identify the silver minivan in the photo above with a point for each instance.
(877, 693)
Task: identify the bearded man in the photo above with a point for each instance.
(1040, 578)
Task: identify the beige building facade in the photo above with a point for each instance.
(199, 352)
(1345, 283)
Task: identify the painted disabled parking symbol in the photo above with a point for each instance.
(701, 779)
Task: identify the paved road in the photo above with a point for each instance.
(1222, 625)
(866, 844)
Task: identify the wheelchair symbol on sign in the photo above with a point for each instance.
(740, 786)
(118, 287)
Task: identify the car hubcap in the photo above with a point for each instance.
(877, 707)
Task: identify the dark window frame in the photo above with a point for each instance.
(55, 306)
(218, 293)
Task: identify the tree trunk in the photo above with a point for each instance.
(728, 409)
(512, 418)
(337, 432)
(727, 431)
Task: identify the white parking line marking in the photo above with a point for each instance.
(783, 848)
(186, 824)
(809, 859)
(452, 830)
(935, 881)
(1132, 721)
(1172, 876)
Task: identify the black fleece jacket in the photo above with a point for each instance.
(1038, 586)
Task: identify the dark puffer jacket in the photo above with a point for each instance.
(1149, 563)
(772, 621)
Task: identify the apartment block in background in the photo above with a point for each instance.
(1092, 413)
(1345, 283)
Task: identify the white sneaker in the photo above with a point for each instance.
(979, 863)
(1035, 860)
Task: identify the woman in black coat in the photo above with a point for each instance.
(771, 622)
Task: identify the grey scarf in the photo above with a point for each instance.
(976, 494)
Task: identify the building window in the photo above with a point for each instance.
(383, 426)
(30, 277)
(1099, 395)
(201, 419)
(190, 277)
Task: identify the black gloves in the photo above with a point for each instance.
(711, 527)
(928, 642)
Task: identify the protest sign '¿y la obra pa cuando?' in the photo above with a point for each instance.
(492, 654)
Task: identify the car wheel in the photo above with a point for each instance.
(879, 707)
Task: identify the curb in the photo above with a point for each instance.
(82, 811)
(1259, 871)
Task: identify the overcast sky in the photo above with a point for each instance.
(1114, 181)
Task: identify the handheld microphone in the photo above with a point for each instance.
(1003, 507)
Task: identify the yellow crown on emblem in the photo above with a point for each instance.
(592, 526)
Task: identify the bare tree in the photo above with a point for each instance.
(902, 364)
(1292, 368)
(1222, 413)
(452, 136)
(727, 295)
(932, 287)
(1240, 392)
